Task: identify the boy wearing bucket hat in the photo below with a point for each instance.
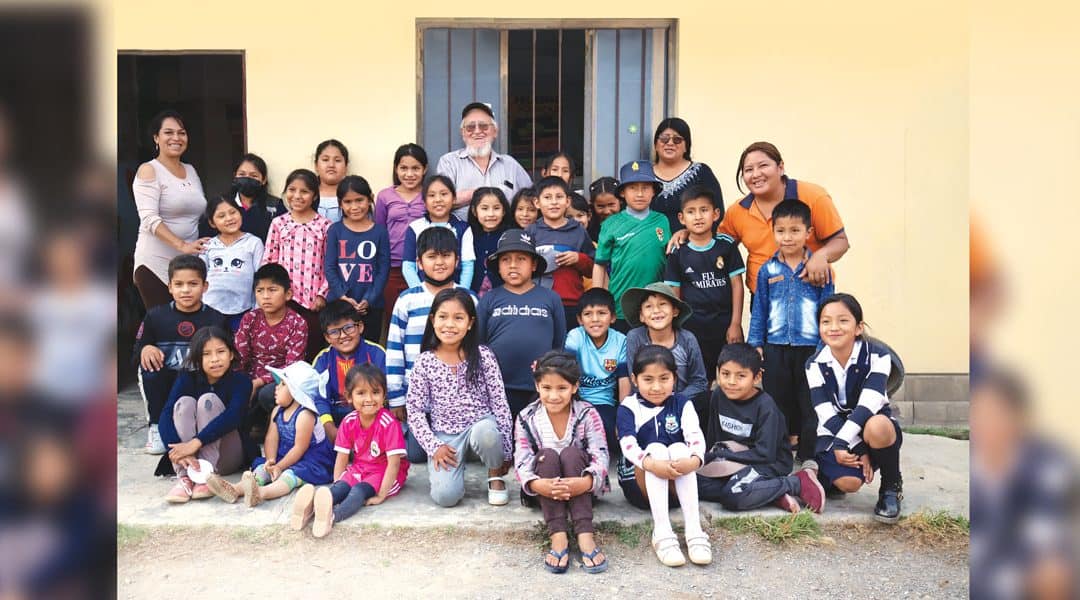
(657, 315)
(519, 320)
(297, 449)
(632, 242)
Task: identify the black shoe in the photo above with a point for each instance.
(887, 509)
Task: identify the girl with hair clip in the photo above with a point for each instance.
(561, 459)
(331, 166)
(489, 217)
(456, 401)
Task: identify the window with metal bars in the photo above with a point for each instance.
(590, 91)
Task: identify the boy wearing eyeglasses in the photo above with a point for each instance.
(343, 329)
(269, 335)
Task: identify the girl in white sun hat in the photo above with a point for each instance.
(296, 448)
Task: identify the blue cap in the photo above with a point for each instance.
(638, 171)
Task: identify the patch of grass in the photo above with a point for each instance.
(778, 530)
(253, 535)
(938, 527)
(129, 534)
(956, 433)
(628, 534)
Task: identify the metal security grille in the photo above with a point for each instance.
(593, 89)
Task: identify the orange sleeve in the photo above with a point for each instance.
(823, 214)
(727, 225)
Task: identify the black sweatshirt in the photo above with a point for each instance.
(756, 423)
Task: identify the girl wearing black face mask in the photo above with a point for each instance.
(249, 189)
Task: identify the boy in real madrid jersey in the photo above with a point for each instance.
(706, 272)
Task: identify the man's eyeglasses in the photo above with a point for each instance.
(473, 126)
(338, 331)
(673, 139)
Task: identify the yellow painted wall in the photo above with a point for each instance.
(1025, 150)
(870, 102)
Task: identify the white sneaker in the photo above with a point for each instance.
(154, 445)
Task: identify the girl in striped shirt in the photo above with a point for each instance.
(856, 432)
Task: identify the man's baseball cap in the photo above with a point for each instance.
(484, 106)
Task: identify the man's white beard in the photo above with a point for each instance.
(479, 151)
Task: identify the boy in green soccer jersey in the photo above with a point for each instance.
(630, 251)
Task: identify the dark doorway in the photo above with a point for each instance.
(546, 94)
(208, 89)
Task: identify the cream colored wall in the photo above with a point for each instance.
(872, 103)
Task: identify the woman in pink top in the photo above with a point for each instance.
(169, 198)
(396, 207)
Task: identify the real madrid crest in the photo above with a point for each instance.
(719, 262)
(375, 450)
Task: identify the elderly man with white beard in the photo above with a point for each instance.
(477, 165)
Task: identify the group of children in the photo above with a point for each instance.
(482, 358)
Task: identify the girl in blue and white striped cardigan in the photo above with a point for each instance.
(856, 432)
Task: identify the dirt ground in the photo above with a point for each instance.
(271, 562)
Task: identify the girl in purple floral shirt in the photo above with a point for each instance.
(456, 401)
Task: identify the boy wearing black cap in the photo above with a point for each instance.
(519, 320)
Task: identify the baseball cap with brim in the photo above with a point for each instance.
(516, 240)
(633, 298)
(638, 171)
(484, 106)
(302, 380)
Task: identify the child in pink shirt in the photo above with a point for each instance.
(377, 469)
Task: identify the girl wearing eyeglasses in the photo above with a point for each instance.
(676, 172)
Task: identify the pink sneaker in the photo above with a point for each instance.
(181, 492)
(201, 491)
(811, 493)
